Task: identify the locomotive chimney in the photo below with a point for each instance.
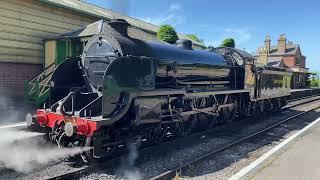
(119, 27)
(184, 44)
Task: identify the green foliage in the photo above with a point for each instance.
(167, 33)
(229, 42)
(314, 79)
(195, 38)
(314, 74)
(315, 83)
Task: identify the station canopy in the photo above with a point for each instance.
(87, 31)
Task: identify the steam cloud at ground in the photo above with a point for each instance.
(13, 109)
(7, 113)
(127, 169)
(25, 151)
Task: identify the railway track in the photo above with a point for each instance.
(20, 125)
(179, 170)
(302, 97)
(171, 173)
(305, 100)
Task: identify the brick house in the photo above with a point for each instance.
(284, 55)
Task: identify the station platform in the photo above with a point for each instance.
(296, 158)
(297, 93)
(297, 90)
(306, 89)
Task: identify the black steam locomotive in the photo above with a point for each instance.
(126, 89)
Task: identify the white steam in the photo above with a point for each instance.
(133, 154)
(10, 136)
(25, 151)
(127, 169)
(132, 175)
(121, 6)
(7, 112)
(12, 109)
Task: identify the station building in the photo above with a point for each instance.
(285, 54)
(29, 31)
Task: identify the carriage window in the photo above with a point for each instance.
(297, 78)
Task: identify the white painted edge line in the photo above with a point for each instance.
(257, 162)
(14, 125)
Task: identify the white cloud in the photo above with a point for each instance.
(240, 35)
(174, 7)
(172, 16)
(212, 43)
(171, 19)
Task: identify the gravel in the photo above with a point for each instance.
(101, 177)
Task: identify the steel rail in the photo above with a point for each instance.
(312, 99)
(302, 97)
(173, 172)
(14, 126)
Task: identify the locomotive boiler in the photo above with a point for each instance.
(124, 89)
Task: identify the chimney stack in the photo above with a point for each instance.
(184, 44)
(263, 56)
(267, 43)
(118, 27)
(282, 43)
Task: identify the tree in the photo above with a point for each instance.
(314, 79)
(229, 42)
(167, 33)
(195, 38)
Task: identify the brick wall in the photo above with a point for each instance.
(289, 61)
(293, 61)
(14, 75)
(303, 62)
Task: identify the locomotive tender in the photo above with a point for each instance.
(124, 88)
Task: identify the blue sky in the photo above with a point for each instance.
(247, 21)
